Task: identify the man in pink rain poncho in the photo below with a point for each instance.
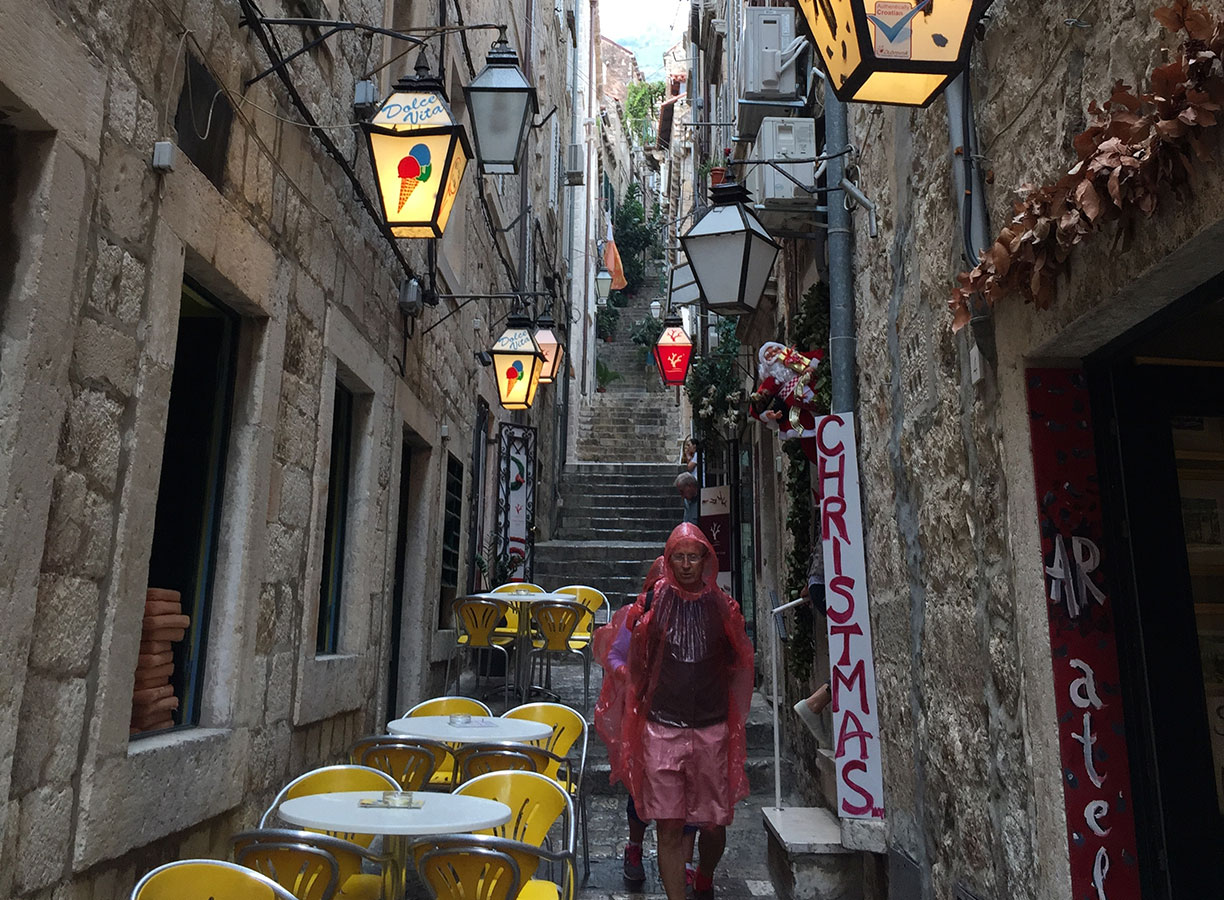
(674, 704)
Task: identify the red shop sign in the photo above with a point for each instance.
(1083, 647)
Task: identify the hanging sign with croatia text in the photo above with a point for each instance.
(856, 725)
(1083, 647)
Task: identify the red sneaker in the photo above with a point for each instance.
(634, 870)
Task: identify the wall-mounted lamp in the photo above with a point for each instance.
(411, 297)
(731, 253)
(603, 286)
(551, 348)
(501, 102)
(673, 351)
(905, 55)
(517, 362)
(419, 153)
(483, 357)
(655, 308)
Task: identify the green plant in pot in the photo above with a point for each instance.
(646, 333)
(604, 375)
(606, 318)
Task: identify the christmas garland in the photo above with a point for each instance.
(1136, 147)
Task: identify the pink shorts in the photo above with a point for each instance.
(684, 775)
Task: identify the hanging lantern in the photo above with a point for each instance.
(603, 286)
(731, 253)
(546, 338)
(517, 362)
(673, 351)
(419, 153)
(501, 102)
(884, 51)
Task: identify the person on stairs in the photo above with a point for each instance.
(690, 491)
(674, 716)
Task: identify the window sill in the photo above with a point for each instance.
(146, 789)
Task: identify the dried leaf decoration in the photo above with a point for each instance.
(1135, 149)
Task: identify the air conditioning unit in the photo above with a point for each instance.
(778, 201)
(575, 164)
(772, 71)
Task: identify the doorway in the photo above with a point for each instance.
(1158, 400)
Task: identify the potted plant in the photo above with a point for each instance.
(606, 318)
(604, 376)
(646, 333)
(718, 174)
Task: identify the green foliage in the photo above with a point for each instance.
(640, 112)
(604, 375)
(647, 332)
(617, 299)
(810, 331)
(496, 568)
(635, 235)
(713, 384)
(606, 318)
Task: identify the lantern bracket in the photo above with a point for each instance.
(333, 27)
(465, 299)
(541, 123)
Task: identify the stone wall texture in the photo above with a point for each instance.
(89, 300)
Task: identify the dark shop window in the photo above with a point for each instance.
(203, 121)
(334, 536)
(451, 526)
(170, 672)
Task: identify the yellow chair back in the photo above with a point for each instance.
(536, 804)
(207, 879)
(409, 761)
(333, 779)
(479, 618)
(446, 706)
(351, 881)
(592, 599)
(472, 760)
(531, 888)
(557, 621)
(307, 872)
(568, 731)
(469, 873)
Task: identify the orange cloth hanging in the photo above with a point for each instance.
(612, 262)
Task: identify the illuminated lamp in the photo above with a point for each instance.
(673, 351)
(883, 51)
(517, 362)
(546, 338)
(419, 153)
(603, 286)
(731, 253)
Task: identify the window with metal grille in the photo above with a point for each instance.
(451, 531)
(331, 589)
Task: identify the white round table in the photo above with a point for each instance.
(480, 729)
(439, 814)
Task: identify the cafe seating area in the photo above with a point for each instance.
(451, 802)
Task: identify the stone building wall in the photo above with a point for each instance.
(95, 253)
(972, 775)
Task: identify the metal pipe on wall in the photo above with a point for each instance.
(842, 339)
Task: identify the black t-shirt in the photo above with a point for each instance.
(691, 690)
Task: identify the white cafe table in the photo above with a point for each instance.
(342, 813)
(479, 729)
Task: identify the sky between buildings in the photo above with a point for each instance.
(647, 27)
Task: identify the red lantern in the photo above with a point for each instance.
(673, 352)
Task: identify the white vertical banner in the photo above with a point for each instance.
(856, 724)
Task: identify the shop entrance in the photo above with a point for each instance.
(1158, 406)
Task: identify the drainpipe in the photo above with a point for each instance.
(842, 340)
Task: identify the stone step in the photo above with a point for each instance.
(625, 471)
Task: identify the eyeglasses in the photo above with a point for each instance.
(688, 557)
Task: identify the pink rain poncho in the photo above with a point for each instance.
(697, 641)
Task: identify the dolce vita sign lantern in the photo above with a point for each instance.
(517, 362)
(901, 52)
(419, 153)
(673, 352)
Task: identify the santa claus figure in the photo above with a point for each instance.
(785, 399)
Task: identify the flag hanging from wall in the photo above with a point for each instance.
(612, 262)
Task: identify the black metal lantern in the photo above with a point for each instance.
(419, 153)
(902, 53)
(517, 363)
(551, 347)
(501, 102)
(603, 286)
(731, 253)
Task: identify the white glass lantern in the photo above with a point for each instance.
(517, 362)
(655, 308)
(501, 102)
(603, 284)
(419, 153)
(552, 349)
(731, 253)
(902, 53)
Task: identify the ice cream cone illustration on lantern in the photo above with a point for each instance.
(514, 373)
(413, 169)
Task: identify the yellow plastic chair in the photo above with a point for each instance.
(510, 627)
(537, 805)
(443, 776)
(274, 851)
(207, 879)
(532, 888)
(567, 742)
(410, 761)
(333, 779)
(477, 619)
(468, 872)
(472, 760)
(557, 621)
(601, 612)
